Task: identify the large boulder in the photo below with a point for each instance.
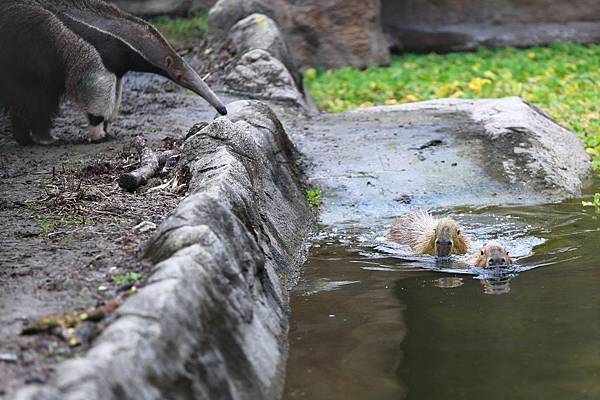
(327, 33)
(226, 13)
(454, 25)
(257, 74)
(439, 153)
(258, 31)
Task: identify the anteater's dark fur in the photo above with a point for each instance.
(32, 76)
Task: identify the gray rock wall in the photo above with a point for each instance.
(330, 33)
(338, 33)
(212, 321)
(492, 12)
(454, 25)
(261, 64)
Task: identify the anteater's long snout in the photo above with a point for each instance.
(192, 81)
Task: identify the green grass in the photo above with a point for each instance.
(182, 32)
(129, 278)
(314, 197)
(563, 80)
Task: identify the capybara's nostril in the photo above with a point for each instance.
(497, 261)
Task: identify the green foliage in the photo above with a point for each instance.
(182, 32)
(129, 278)
(562, 79)
(594, 203)
(314, 197)
(52, 224)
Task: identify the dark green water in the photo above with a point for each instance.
(368, 323)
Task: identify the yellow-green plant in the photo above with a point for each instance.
(594, 203)
(314, 197)
(129, 278)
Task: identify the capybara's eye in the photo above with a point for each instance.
(481, 251)
(458, 232)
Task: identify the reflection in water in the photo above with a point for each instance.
(341, 337)
(496, 286)
(372, 322)
(448, 283)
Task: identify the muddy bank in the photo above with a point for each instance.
(68, 241)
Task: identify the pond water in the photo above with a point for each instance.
(370, 322)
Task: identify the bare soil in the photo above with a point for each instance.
(68, 242)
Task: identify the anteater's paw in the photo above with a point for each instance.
(45, 140)
(98, 133)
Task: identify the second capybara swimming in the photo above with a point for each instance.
(492, 254)
(428, 235)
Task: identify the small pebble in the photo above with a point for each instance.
(9, 357)
(144, 226)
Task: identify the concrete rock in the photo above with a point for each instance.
(523, 144)
(212, 321)
(338, 33)
(330, 33)
(449, 25)
(440, 153)
(534, 150)
(259, 75)
(258, 31)
(226, 13)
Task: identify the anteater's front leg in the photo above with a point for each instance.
(97, 94)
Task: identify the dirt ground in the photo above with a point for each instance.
(69, 241)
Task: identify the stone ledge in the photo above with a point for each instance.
(469, 37)
(212, 321)
(522, 143)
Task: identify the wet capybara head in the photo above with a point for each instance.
(448, 238)
(493, 254)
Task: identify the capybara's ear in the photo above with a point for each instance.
(481, 251)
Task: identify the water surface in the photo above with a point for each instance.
(371, 322)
